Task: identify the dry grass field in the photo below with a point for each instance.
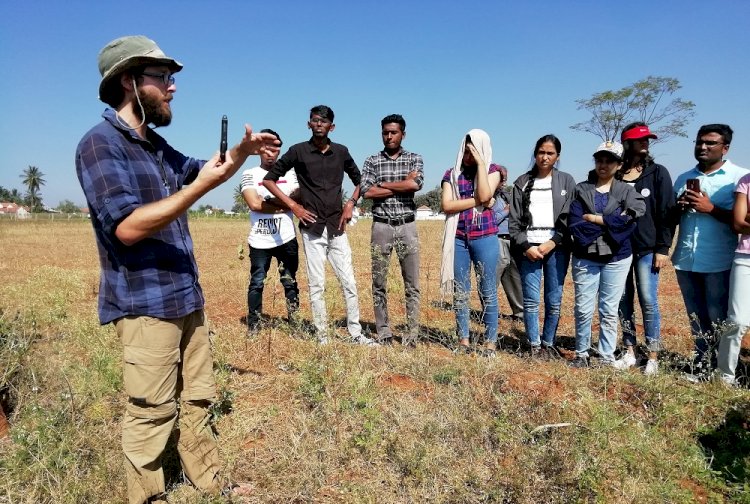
(343, 423)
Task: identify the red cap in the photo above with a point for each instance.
(637, 132)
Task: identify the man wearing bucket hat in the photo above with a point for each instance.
(138, 189)
(651, 241)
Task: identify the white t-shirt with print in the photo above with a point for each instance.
(269, 230)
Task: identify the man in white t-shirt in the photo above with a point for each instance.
(272, 234)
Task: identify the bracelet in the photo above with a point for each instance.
(352, 201)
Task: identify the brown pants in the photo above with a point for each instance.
(164, 360)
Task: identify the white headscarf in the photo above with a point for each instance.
(481, 141)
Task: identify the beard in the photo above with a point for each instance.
(155, 109)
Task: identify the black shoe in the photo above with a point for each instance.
(387, 341)
(580, 362)
(252, 331)
(550, 353)
(409, 340)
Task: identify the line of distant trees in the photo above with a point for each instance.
(649, 100)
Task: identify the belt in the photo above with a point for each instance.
(394, 222)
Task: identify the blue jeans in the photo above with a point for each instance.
(607, 280)
(646, 280)
(483, 253)
(553, 268)
(706, 297)
(260, 260)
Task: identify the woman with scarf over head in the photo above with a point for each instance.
(539, 236)
(470, 236)
(602, 217)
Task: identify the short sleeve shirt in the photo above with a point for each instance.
(320, 175)
(269, 230)
(705, 244)
(471, 224)
(743, 187)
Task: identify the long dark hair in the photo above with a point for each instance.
(628, 155)
(533, 174)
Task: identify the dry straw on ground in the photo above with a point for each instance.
(343, 423)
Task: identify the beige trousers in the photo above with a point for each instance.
(164, 360)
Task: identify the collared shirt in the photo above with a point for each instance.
(120, 172)
(320, 175)
(382, 168)
(705, 244)
(472, 224)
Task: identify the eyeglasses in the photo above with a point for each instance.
(708, 143)
(319, 120)
(166, 78)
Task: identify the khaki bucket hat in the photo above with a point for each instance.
(129, 52)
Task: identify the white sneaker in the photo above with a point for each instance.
(652, 367)
(727, 380)
(365, 341)
(625, 362)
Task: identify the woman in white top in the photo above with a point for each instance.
(539, 236)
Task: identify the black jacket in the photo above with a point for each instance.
(563, 188)
(654, 229)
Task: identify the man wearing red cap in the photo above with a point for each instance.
(650, 241)
(138, 189)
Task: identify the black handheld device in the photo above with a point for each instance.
(693, 184)
(223, 144)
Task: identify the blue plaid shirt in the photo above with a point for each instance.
(120, 172)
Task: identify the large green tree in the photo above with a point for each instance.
(67, 206)
(430, 199)
(650, 100)
(11, 196)
(33, 179)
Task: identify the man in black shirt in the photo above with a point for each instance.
(320, 166)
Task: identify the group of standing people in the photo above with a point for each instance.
(616, 225)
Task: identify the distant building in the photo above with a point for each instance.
(14, 209)
(425, 213)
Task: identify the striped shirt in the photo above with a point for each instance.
(120, 172)
(469, 225)
(381, 168)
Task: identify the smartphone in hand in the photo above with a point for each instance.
(223, 143)
(693, 184)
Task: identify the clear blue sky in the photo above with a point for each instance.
(514, 69)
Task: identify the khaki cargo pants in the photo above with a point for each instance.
(164, 360)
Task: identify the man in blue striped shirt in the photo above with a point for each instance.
(138, 190)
